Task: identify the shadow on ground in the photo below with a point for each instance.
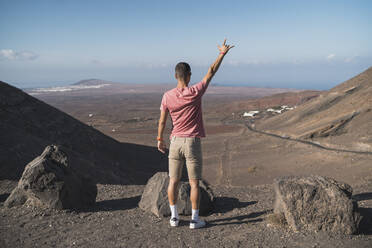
(363, 196)
(237, 220)
(3, 197)
(226, 204)
(365, 226)
(114, 205)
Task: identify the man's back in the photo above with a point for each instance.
(184, 106)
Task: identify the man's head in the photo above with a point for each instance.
(183, 72)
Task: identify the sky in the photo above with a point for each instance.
(287, 44)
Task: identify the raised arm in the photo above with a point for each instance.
(214, 67)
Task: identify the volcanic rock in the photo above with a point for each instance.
(155, 198)
(50, 182)
(316, 203)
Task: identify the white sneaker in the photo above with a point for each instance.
(174, 221)
(194, 224)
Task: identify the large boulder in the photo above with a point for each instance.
(155, 198)
(316, 203)
(49, 182)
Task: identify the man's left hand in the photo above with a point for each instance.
(161, 146)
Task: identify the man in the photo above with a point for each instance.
(183, 103)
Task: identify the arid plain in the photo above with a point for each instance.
(233, 155)
(243, 153)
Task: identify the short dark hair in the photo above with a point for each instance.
(183, 69)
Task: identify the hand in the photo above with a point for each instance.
(161, 146)
(224, 48)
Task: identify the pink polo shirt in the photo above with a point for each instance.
(184, 106)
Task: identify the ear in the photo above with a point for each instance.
(175, 75)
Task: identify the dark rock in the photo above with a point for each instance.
(49, 182)
(316, 203)
(155, 198)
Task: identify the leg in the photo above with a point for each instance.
(196, 222)
(174, 180)
(172, 197)
(194, 171)
(175, 169)
(195, 193)
(194, 162)
(176, 162)
(173, 190)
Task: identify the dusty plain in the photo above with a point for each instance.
(239, 164)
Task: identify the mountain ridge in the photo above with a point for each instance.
(340, 117)
(28, 125)
(92, 81)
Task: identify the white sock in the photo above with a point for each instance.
(195, 214)
(174, 212)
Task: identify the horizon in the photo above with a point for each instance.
(314, 45)
(155, 83)
(66, 84)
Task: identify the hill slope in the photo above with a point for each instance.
(285, 98)
(340, 117)
(28, 125)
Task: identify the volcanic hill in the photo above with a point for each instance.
(93, 81)
(338, 118)
(28, 125)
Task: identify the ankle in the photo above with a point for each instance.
(174, 212)
(195, 214)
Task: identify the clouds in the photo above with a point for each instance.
(331, 56)
(10, 54)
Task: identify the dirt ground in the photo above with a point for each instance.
(232, 155)
(238, 220)
(239, 164)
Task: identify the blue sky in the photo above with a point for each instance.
(296, 44)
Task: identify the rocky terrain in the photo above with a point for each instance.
(112, 129)
(239, 220)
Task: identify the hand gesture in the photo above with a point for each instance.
(161, 146)
(224, 48)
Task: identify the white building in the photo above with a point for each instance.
(251, 113)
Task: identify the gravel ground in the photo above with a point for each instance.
(239, 220)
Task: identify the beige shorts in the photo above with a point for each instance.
(187, 150)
